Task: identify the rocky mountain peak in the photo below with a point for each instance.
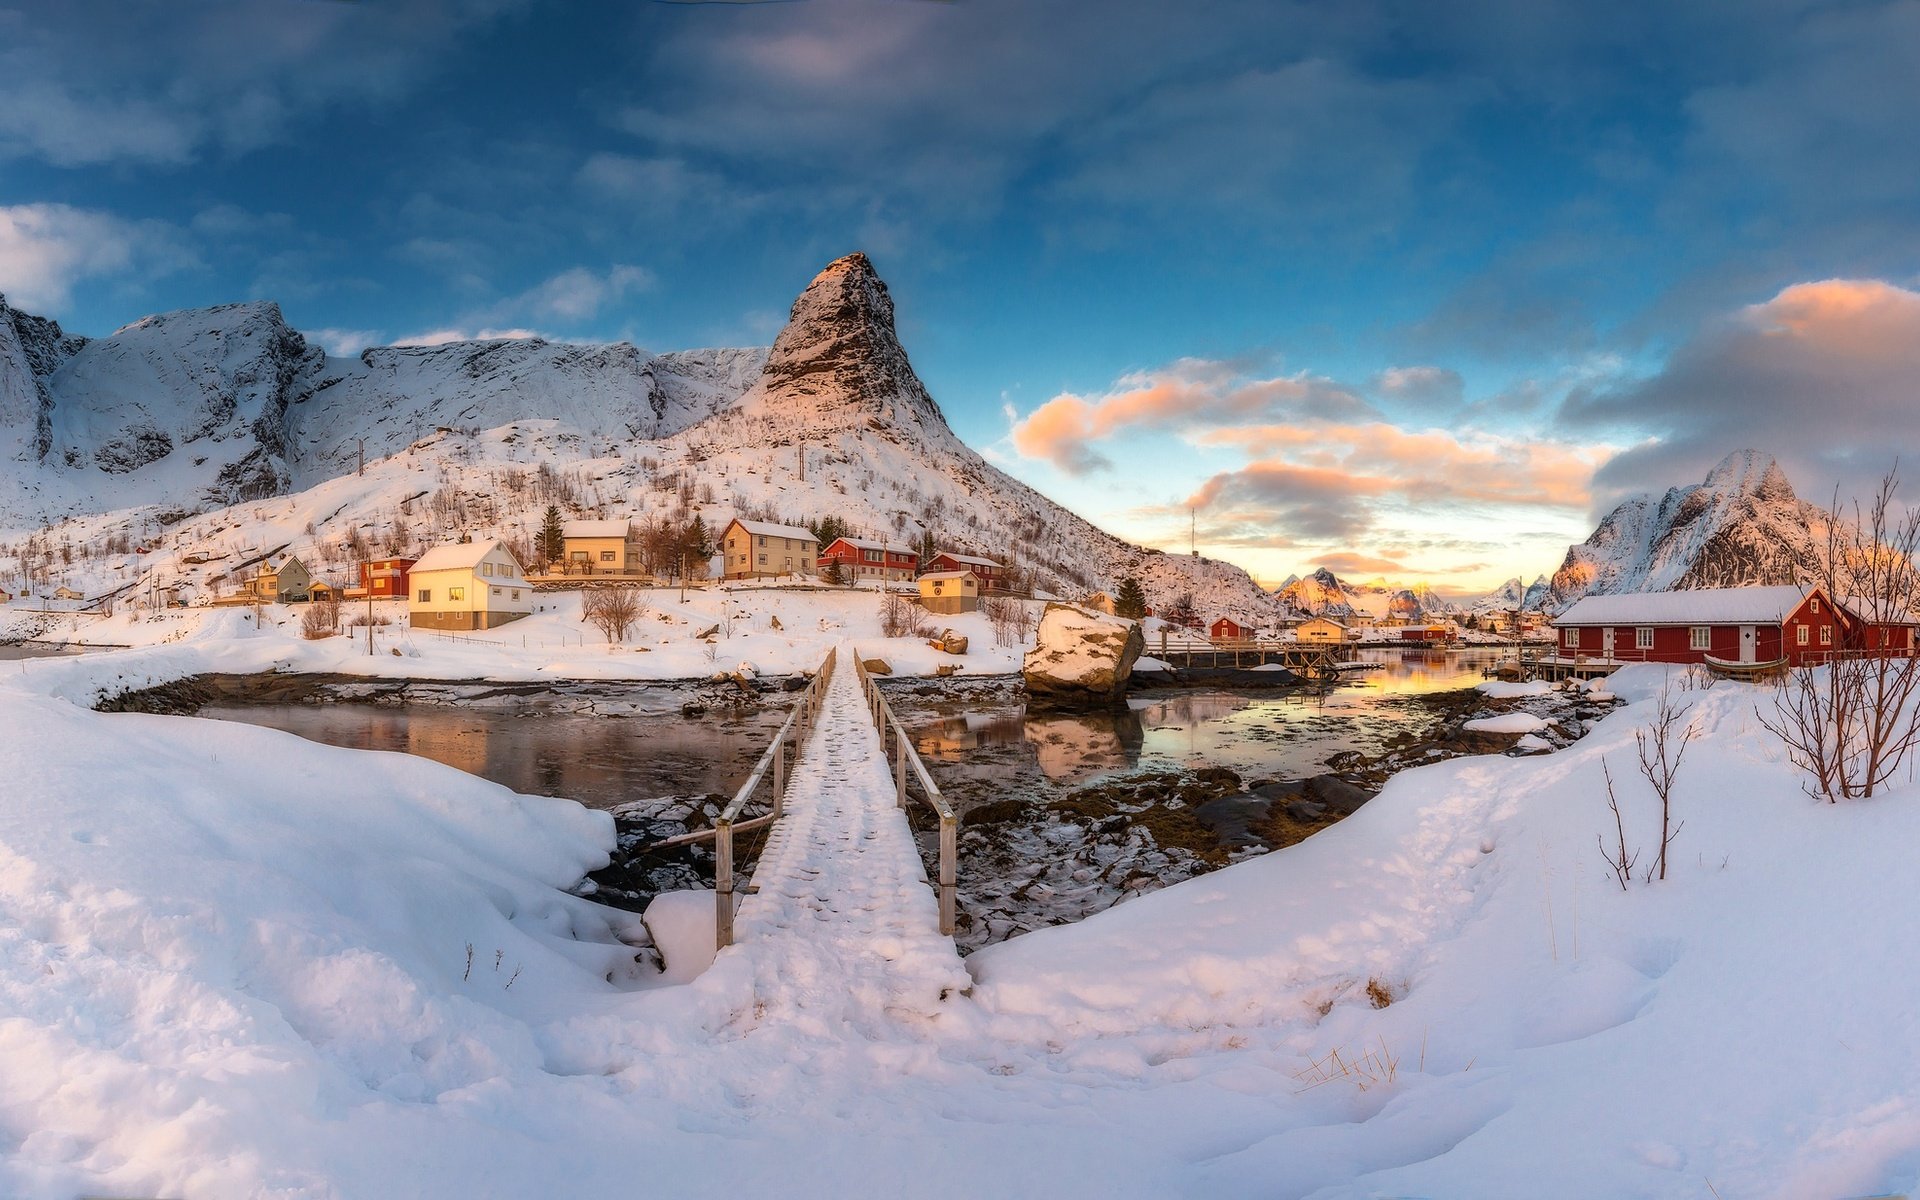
(1751, 473)
(839, 359)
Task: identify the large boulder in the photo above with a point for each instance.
(1081, 656)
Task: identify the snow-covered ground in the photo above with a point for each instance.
(233, 963)
(552, 644)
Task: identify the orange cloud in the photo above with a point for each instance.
(1856, 316)
(1190, 394)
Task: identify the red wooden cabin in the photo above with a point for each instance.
(1226, 629)
(992, 575)
(1746, 625)
(862, 559)
(385, 578)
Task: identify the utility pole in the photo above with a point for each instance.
(1193, 532)
(369, 618)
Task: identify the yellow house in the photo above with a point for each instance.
(761, 550)
(950, 591)
(468, 585)
(1322, 629)
(597, 548)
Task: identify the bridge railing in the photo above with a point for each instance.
(772, 768)
(906, 761)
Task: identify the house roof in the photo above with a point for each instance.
(1700, 606)
(593, 529)
(1324, 621)
(767, 529)
(949, 575)
(967, 558)
(455, 556)
(870, 544)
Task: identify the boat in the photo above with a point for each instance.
(1744, 670)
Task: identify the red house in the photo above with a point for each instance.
(992, 575)
(1226, 629)
(385, 578)
(1747, 625)
(1426, 635)
(862, 559)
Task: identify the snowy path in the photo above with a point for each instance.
(843, 914)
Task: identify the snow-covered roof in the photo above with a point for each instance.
(1701, 606)
(949, 575)
(870, 544)
(594, 529)
(456, 556)
(768, 529)
(1324, 620)
(968, 558)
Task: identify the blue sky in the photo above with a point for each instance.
(1408, 289)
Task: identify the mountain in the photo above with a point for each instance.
(1743, 524)
(213, 436)
(1321, 594)
(1514, 593)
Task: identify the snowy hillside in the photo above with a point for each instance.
(221, 434)
(1742, 525)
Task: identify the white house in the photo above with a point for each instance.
(762, 550)
(468, 585)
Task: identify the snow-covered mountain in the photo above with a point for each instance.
(1324, 593)
(223, 434)
(1514, 593)
(1741, 525)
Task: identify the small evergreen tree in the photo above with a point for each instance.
(927, 548)
(833, 573)
(1131, 601)
(552, 542)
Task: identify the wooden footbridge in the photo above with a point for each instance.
(840, 869)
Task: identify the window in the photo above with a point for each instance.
(1700, 637)
(1569, 637)
(1815, 605)
(458, 593)
(763, 540)
(516, 593)
(577, 555)
(486, 568)
(426, 595)
(496, 591)
(870, 555)
(1826, 635)
(1800, 635)
(606, 556)
(1643, 638)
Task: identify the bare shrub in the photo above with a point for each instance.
(1849, 723)
(321, 620)
(1663, 745)
(1619, 860)
(901, 617)
(613, 611)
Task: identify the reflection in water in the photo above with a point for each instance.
(1285, 734)
(600, 761)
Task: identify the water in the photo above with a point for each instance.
(600, 761)
(977, 748)
(17, 652)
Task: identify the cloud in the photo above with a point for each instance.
(1191, 394)
(85, 82)
(1825, 375)
(1348, 563)
(1421, 385)
(46, 250)
(345, 343)
(579, 293)
(441, 337)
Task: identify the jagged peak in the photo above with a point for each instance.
(1751, 473)
(265, 310)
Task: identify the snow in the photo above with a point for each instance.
(234, 963)
(1511, 722)
(1700, 606)
(1502, 689)
(682, 927)
(554, 644)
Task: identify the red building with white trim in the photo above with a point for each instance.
(385, 578)
(992, 575)
(1226, 629)
(861, 559)
(1747, 625)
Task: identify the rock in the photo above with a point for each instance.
(951, 642)
(793, 683)
(876, 666)
(774, 622)
(1081, 655)
(945, 669)
(1337, 794)
(709, 632)
(746, 670)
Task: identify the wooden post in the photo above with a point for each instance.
(723, 885)
(949, 851)
(779, 770)
(899, 767)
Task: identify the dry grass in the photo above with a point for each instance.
(1365, 1068)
